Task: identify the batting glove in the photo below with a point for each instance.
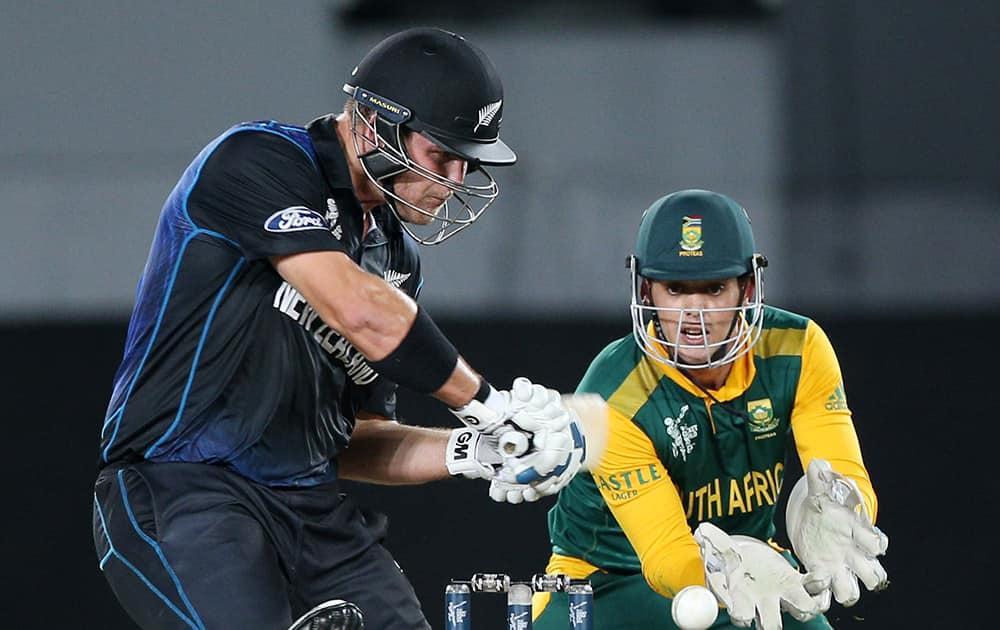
(833, 536)
(554, 458)
(526, 408)
(504, 492)
(540, 438)
(752, 580)
(529, 484)
(488, 415)
(472, 454)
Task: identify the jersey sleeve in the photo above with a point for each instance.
(645, 502)
(821, 419)
(263, 192)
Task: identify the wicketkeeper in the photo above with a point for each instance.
(708, 396)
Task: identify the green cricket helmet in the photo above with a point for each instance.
(696, 235)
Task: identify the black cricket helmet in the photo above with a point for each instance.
(433, 82)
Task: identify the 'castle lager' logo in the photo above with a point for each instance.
(691, 240)
(762, 417)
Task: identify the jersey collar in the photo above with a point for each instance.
(323, 132)
(737, 382)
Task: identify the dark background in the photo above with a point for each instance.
(919, 389)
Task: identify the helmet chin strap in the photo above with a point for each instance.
(379, 165)
(721, 352)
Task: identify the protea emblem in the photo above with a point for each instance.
(691, 234)
(761, 415)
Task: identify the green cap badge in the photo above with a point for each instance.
(694, 235)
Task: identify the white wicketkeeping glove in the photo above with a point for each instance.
(473, 454)
(752, 580)
(833, 536)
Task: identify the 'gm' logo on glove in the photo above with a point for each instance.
(461, 450)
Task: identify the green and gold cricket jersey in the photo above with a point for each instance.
(676, 457)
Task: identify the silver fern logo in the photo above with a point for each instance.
(486, 114)
(332, 215)
(395, 278)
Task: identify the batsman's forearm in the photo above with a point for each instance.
(389, 453)
(399, 339)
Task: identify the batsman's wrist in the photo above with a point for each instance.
(484, 391)
(460, 451)
(485, 412)
(468, 454)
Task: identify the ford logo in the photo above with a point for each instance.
(295, 219)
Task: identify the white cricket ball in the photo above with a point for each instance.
(694, 608)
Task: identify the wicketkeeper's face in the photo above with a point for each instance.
(697, 316)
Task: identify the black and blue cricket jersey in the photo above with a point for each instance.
(225, 363)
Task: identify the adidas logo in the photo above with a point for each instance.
(837, 401)
(395, 278)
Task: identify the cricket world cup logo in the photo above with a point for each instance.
(682, 435)
(457, 612)
(518, 621)
(578, 614)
